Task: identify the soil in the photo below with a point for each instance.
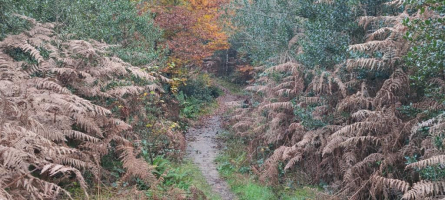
(203, 146)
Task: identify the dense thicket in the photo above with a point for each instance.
(114, 22)
(349, 95)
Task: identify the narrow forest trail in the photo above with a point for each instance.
(203, 147)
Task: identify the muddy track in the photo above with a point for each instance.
(203, 147)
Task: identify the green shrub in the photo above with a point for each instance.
(195, 95)
(10, 24)
(200, 90)
(304, 115)
(115, 22)
(426, 57)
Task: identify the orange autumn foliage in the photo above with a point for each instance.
(192, 28)
(246, 72)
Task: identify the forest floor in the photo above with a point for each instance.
(204, 147)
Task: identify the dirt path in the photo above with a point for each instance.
(203, 148)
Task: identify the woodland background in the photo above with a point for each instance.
(344, 97)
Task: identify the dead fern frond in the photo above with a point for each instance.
(395, 3)
(54, 169)
(429, 104)
(354, 102)
(332, 145)
(378, 33)
(425, 189)
(354, 140)
(135, 167)
(435, 160)
(49, 85)
(369, 63)
(361, 127)
(341, 86)
(78, 164)
(87, 124)
(286, 67)
(121, 91)
(365, 20)
(80, 136)
(311, 100)
(293, 161)
(278, 105)
(371, 46)
(26, 47)
(138, 72)
(362, 115)
(387, 94)
(391, 183)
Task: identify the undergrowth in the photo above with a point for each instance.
(234, 167)
(197, 97)
(177, 179)
(183, 175)
(230, 86)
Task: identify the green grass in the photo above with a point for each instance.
(234, 88)
(196, 178)
(252, 191)
(184, 176)
(245, 187)
(209, 108)
(104, 194)
(303, 193)
(233, 167)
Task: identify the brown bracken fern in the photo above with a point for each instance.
(42, 112)
(362, 148)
